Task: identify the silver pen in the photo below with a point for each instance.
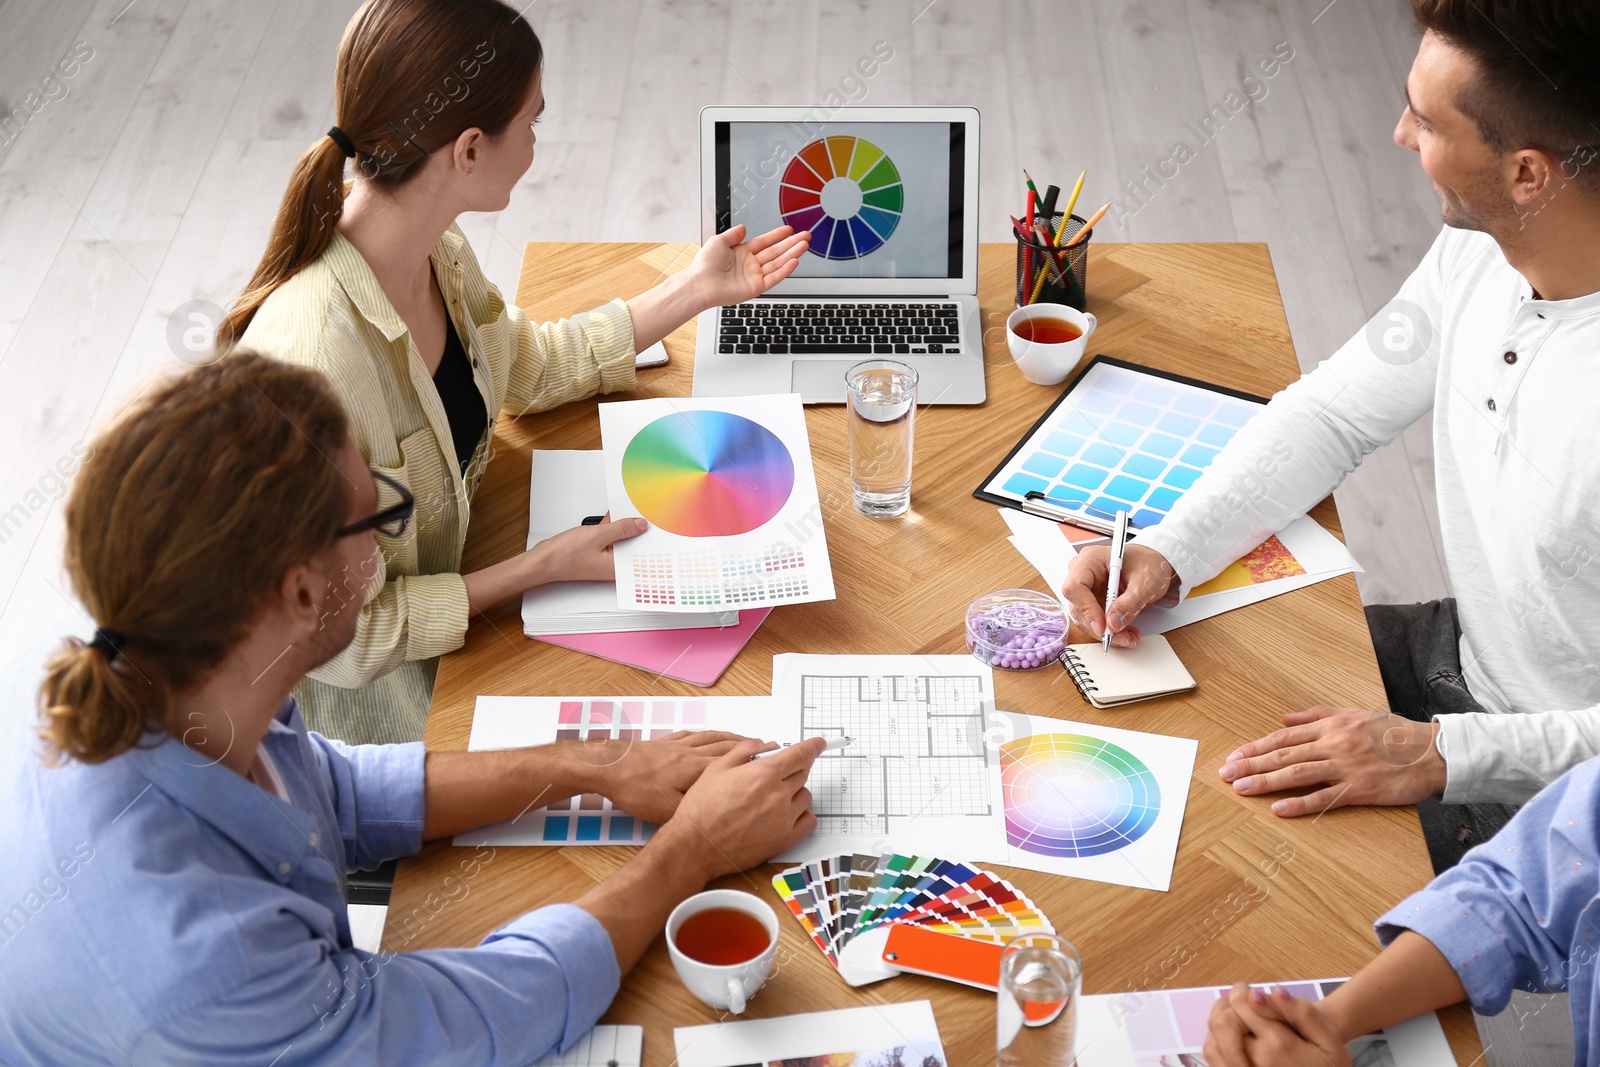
(1119, 541)
(1036, 504)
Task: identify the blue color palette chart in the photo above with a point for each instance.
(606, 727)
(1122, 438)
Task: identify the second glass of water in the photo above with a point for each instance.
(1036, 1013)
(882, 398)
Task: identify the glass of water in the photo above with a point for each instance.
(882, 396)
(1041, 976)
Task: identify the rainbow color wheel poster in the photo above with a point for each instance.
(707, 473)
(1091, 801)
(846, 191)
(730, 493)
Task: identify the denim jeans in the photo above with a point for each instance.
(1419, 657)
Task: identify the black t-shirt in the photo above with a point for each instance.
(463, 404)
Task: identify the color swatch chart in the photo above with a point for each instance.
(1168, 1028)
(728, 488)
(1121, 439)
(609, 725)
(838, 900)
(846, 191)
(712, 578)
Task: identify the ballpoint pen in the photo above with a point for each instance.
(1119, 541)
(833, 744)
(1036, 503)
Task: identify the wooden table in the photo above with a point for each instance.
(1253, 896)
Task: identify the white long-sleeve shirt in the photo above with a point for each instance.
(1514, 384)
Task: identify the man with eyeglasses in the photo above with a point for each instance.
(172, 889)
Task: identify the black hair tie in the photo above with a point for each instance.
(108, 641)
(342, 139)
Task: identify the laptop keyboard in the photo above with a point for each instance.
(772, 327)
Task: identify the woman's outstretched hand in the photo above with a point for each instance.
(726, 270)
(729, 268)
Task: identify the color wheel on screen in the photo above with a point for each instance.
(1075, 796)
(707, 473)
(846, 191)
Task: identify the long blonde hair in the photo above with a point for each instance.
(412, 75)
(199, 498)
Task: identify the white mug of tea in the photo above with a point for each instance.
(723, 942)
(1047, 340)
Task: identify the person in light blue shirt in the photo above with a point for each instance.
(1520, 911)
(172, 861)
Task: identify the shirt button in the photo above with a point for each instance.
(284, 867)
(1491, 403)
(312, 840)
(1511, 357)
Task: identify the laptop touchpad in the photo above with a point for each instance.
(820, 381)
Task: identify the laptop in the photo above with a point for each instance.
(890, 196)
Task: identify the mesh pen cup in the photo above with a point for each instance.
(1065, 280)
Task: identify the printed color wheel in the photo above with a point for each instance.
(1076, 796)
(846, 192)
(707, 473)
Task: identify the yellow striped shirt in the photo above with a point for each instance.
(333, 316)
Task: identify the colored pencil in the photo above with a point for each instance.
(1027, 251)
(1029, 179)
(1078, 237)
(1072, 201)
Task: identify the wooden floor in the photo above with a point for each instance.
(148, 179)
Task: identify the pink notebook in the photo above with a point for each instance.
(697, 656)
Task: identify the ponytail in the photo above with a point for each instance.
(92, 708)
(412, 76)
(303, 229)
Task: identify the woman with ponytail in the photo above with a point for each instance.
(371, 282)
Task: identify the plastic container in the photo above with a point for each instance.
(1016, 629)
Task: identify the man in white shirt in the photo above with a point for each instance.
(1498, 333)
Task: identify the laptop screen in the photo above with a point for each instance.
(881, 199)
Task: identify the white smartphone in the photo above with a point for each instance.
(654, 356)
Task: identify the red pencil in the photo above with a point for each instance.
(1027, 251)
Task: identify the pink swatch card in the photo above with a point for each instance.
(697, 656)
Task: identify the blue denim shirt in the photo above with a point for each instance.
(1522, 910)
(156, 908)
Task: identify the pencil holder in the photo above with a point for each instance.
(1033, 261)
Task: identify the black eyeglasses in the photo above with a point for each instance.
(392, 520)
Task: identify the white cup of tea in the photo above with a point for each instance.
(723, 943)
(1047, 340)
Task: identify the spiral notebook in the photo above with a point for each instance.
(1123, 675)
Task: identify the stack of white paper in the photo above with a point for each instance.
(568, 487)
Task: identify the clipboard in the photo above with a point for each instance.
(1119, 437)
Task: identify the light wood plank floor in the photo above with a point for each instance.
(148, 178)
